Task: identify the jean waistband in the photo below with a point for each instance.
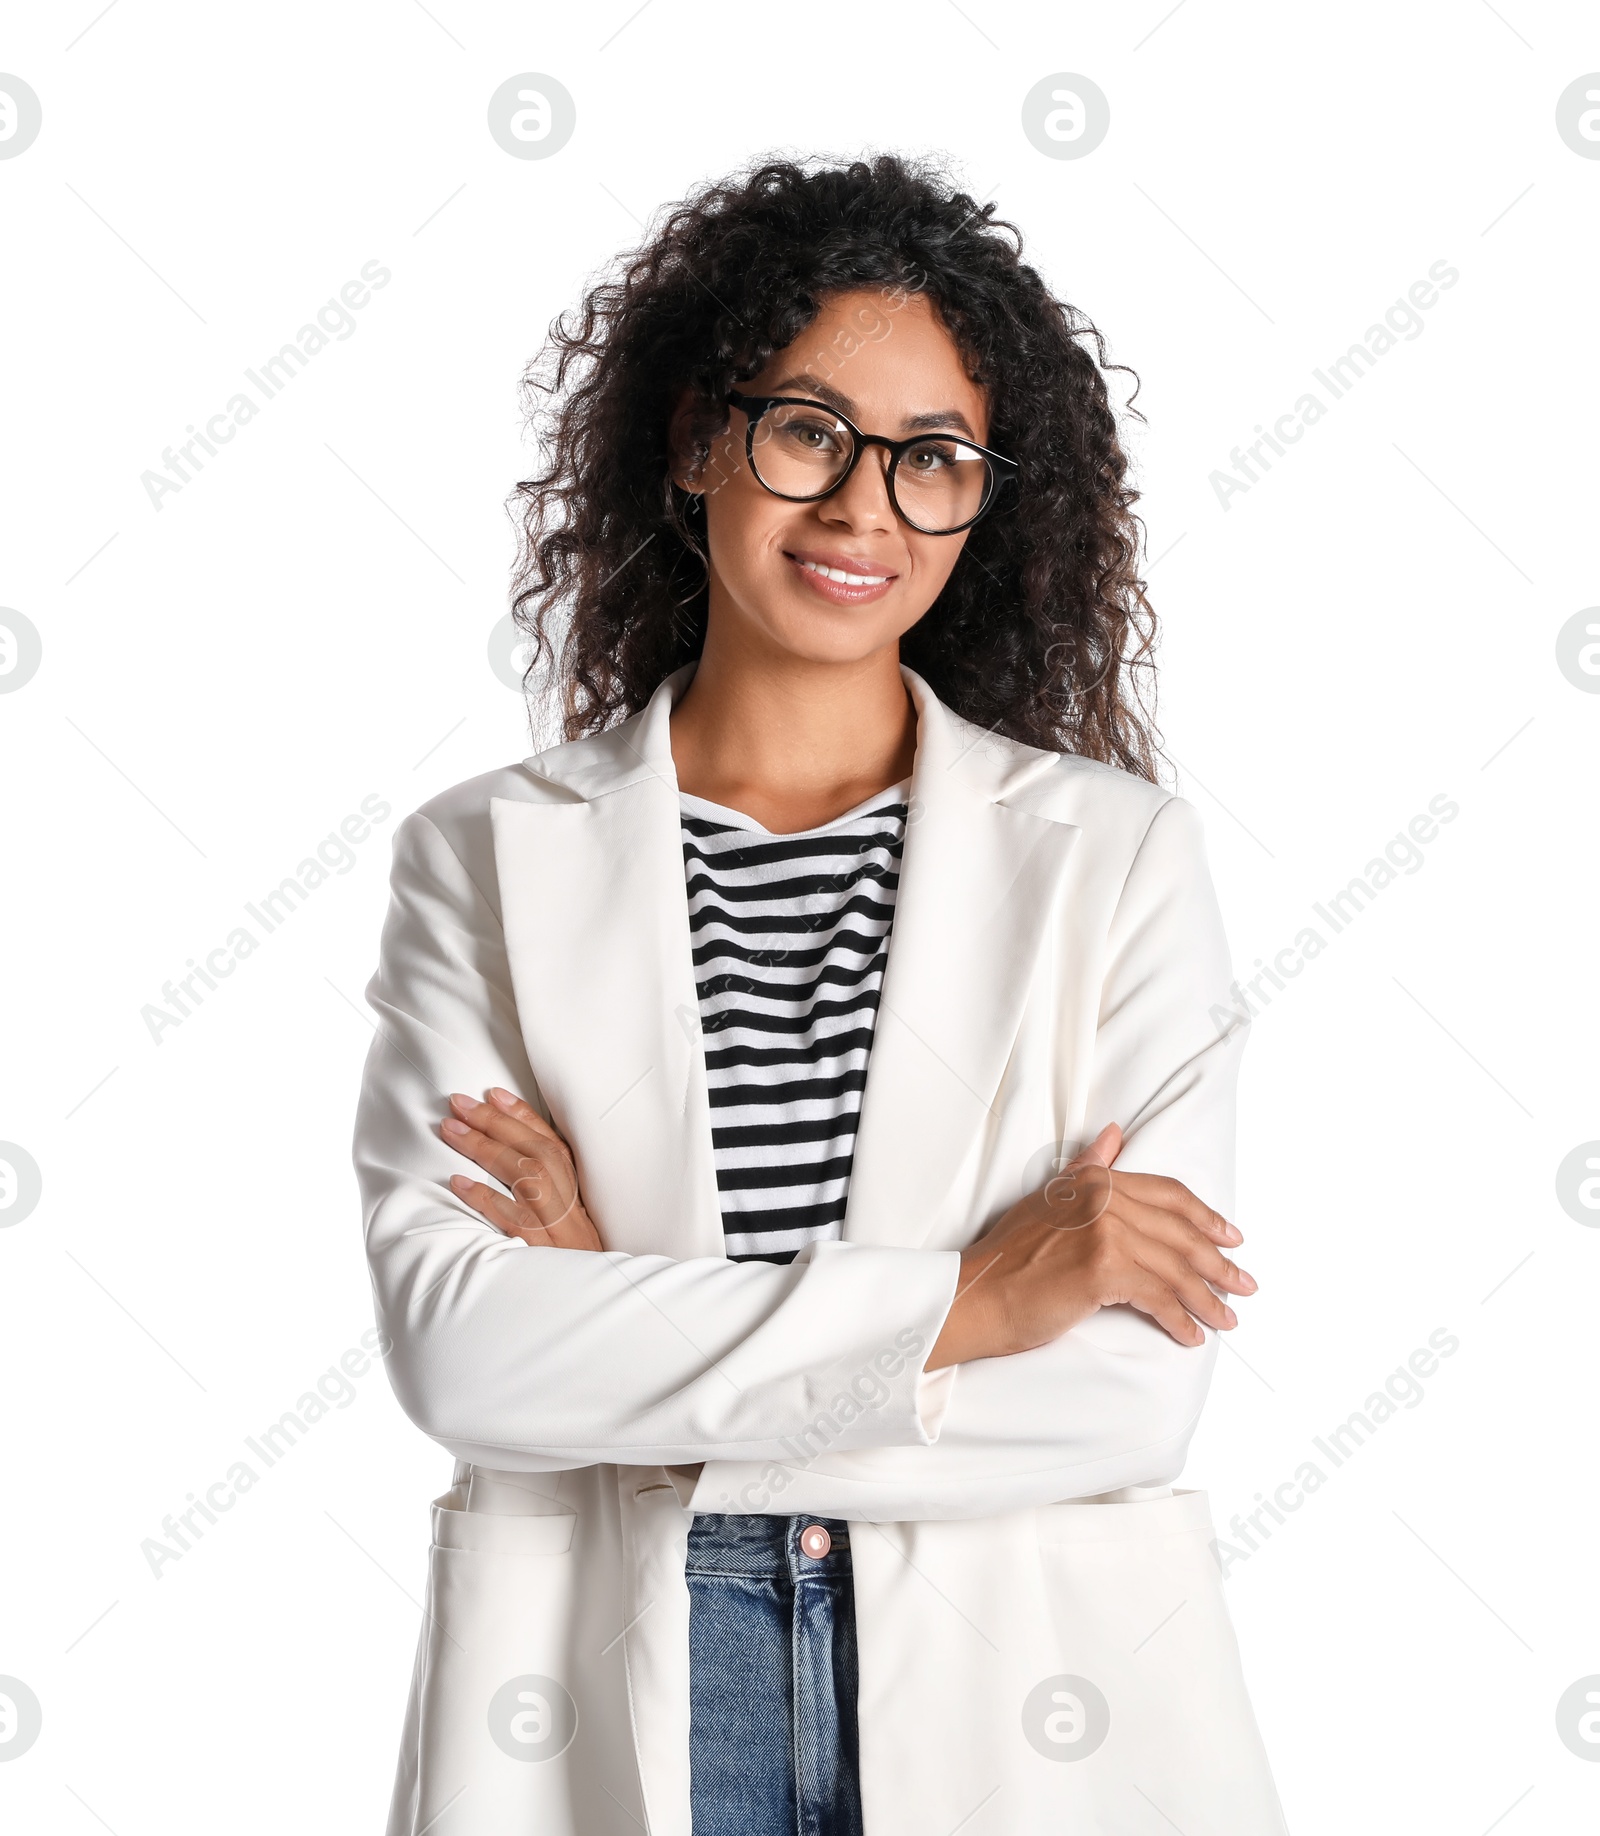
(765, 1545)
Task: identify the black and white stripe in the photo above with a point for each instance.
(791, 938)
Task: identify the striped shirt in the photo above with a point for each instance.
(791, 938)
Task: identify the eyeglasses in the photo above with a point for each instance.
(803, 451)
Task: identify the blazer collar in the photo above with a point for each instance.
(598, 941)
(953, 755)
(638, 748)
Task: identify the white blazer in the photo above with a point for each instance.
(1044, 1643)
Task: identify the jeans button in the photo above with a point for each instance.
(815, 1541)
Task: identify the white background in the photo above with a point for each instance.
(224, 679)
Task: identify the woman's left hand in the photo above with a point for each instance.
(510, 1139)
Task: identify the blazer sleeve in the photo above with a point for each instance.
(1115, 1401)
(532, 1358)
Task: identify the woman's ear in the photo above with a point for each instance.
(687, 453)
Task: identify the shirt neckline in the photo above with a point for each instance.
(737, 819)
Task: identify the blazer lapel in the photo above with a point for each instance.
(597, 935)
(980, 877)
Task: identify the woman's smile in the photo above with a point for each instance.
(847, 580)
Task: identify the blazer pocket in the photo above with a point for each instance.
(1182, 1514)
(501, 1533)
(1146, 1686)
(498, 1709)
(1113, 1571)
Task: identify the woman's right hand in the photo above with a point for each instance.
(510, 1139)
(1092, 1238)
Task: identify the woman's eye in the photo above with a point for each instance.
(816, 436)
(930, 456)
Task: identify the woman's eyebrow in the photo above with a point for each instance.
(819, 391)
(944, 417)
(799, 383)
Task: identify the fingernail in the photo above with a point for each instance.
(1249, 1280)
(1235, 1235)
(1232, 1317)
(452, 1127)
(461, 1100)
(460, 1181)
(503, 1097)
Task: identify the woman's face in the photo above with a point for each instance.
(887, 363)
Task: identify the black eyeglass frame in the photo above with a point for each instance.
(754, 407)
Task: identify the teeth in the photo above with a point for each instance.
(838, 573)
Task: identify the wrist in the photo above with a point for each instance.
(973, 1327)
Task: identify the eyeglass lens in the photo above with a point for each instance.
(799, 451)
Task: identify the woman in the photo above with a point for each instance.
(815, 1430)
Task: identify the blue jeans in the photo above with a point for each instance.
(772, 1679)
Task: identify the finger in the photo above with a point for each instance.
(574, 1230)
(1101, 1151)
(1152, 1222)
(509, 1103)
(1174, 1195)
(542, 1180)
(505, 1214)
(1106, 1146)
(1153, 1297)
(505, 1162)
(517, 1123)
(1170, 1268)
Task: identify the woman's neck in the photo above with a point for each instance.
(789, 741)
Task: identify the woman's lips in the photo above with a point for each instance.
(864, 585)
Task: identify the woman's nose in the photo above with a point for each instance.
(863, 501)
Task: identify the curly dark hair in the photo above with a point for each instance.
(1042, 632)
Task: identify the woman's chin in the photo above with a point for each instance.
(839, 648)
